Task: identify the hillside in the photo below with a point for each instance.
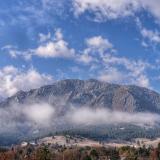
(90, 108)
(91, 93)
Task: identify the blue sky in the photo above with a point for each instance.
(41, 41)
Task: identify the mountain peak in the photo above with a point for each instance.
(91, 93)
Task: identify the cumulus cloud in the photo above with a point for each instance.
(99, 43)
(99, 54)
(112, 75)
(143, 81)
(114, 68)
(40, 12)
(13, 79)
(87, 116)
(44, 37)
(152, 7)
(124, 70)
(56, 48)
(113, 9)
(115, 75)
(85, 58)
(96, 46)
(48, 47)
(103, 9)
(150, 37)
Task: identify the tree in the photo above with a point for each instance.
(43, 154)
(94, 154)
(87, 158)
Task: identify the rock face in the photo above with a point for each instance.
(91, 93)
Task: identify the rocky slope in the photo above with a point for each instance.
(90, 93)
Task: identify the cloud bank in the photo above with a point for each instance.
(88, 116)
(40, 118)
(21, 117)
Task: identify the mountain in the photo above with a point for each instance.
(20, 119)
(91, 93)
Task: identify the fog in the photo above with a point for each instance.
(19, 117)
(88, 116)
(42, 115)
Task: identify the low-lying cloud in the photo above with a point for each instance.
(87, 116)
(39, 113)
(21, 118)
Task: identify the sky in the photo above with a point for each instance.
(42, 41)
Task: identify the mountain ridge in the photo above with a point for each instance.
(91, 93)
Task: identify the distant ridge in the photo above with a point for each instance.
(91, 93)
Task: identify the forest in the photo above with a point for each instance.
(58, 152)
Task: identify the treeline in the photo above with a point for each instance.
(56, 152)
(125, 132)
(122, 132)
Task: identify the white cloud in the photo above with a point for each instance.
(106, 9)
(101, 56)
(44, 37)
(87, 116)
(112, 75)
(144, 44)
(150, 38)
(143, 81)
(42, 116)
(39, 113)
(41, 12)
(99, 43)
(115, 75)
(112, 68)
(56, 48)
(117, 69)
(49, 47)
(96, 46)
(123, 70)
(15, 53)
(85, 58)
(13, 79)
(11, 50)
(112, 9)
(152, 6)
(136, 67)
(17, 118)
